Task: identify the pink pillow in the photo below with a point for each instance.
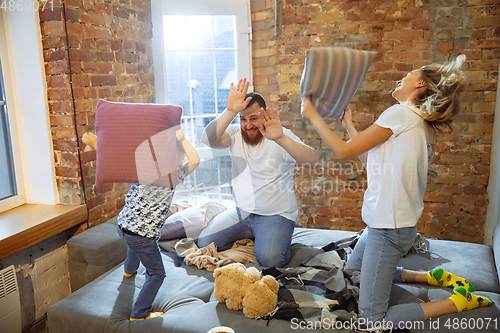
(332, 76)
(136, 143)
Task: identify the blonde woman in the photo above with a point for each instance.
(396, 151)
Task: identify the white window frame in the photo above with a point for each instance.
(28, 116)
(240, 8)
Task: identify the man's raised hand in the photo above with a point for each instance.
(236, 100)
(271, 129)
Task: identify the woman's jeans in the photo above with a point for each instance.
(272, 235)
(144, 250)
(377, 254)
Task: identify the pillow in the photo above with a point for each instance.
(136, 143)
(213, 210)
(332, 76)
(190, 222)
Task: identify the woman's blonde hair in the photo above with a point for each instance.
(441, 100)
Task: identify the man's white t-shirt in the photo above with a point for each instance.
(263, 175)
(397, 170)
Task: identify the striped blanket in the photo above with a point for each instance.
(319, 290)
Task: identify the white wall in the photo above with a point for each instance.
(493, 212)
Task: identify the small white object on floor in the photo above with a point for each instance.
(221, 329)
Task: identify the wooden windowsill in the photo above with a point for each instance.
(27, 225)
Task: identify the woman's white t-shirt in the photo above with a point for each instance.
(397, 170)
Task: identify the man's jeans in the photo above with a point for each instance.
(144, 250)
(376, 255)
(272, 235)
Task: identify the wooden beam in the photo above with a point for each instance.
(28, 225)
(278, 18)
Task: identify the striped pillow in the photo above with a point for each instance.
(213, 210)
(332, 76)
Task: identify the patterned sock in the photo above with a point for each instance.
(464, 300)
(441, 278)
(151, 315)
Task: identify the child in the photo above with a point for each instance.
(395, 151)
(140, 223)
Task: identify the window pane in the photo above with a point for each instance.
(206, 173)
(225, 170)
(202, 82)
(7, 176)
(193, 129)
(225, 69)
(224, 31)
(201, 32)
(210, 181)
(200, 124)
(176, 32)
(178, 80)
(186, 127)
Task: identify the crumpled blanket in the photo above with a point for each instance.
(209, 258)
(320, 289)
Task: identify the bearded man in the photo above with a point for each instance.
(263, 155)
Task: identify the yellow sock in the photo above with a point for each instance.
(128, 275)
(151, 315)
(441, 278)
(465, 300)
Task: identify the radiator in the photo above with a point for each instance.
(10, 305)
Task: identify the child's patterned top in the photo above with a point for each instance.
(146, 208)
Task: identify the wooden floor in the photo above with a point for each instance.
(38, 327)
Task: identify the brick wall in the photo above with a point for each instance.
(407, 34)
(111, 58)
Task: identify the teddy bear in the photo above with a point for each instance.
(242, 288)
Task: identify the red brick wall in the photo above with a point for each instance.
(407, 35)
(111, 58)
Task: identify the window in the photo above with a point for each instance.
(11, 181)
(8, 187)
(27, 173)
(200, 62)
(204, 48)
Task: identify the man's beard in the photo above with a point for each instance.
(252, 141)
